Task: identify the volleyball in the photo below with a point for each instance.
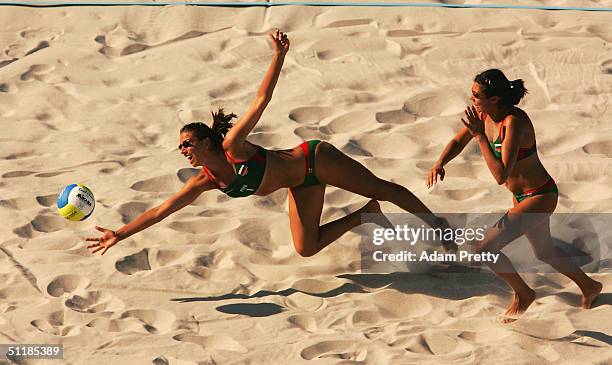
(76, 202)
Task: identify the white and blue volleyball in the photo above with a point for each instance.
(76, 202)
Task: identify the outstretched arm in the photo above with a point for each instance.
(192, 189)
(247, 122)
(452, 149)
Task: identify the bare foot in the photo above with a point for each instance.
(519, 305)
(589, 295)
(375, 215)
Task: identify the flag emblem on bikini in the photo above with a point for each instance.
(243, 170)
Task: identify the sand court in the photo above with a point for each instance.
(97, 95)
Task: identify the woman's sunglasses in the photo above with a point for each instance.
(186, 144)
(478, 96)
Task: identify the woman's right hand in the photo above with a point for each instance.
(432, 175)
(107, 240)
(280, 42)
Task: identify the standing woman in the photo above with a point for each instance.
(240, 168)
(506, 138)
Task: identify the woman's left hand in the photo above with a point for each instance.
(474, 123)
(280, 42)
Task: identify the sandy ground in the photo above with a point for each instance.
(97, 95)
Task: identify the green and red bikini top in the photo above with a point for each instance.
(249, 174)
(497, 144)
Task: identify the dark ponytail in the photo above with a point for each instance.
(221, 122)
(517, 91)
(220, 126)
(495, 83)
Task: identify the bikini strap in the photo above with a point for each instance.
(227, 154)
(502, 131)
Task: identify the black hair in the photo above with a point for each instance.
(221, 125)
(495, 83)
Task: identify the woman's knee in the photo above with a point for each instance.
(305, 247)
(388, 191)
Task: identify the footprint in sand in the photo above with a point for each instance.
(310, 114)
(151, 259)
(52, 174)
(555, 327)
(365, 318)
(606, 67)
(433, 103)
(353, 148)
(56, 324)
(31, 41)
(305, 322)
(60, 241)
(439, 343)
(66, 284)
(7, 62)
(11, 174)
(387, 302)
(187, 173)
(347, 350)
(352, 122)
(603, 148)
(37, 72)
(151, 321)
(310, 132)
(134, 263)
(131, 210)
(119, 42)
(17, 204)
(47, 200)
(253, 234)
(484, 336)
(48, 223)
(94, 302)
(207, 226)
(349, 23)
(18, 155)
(41, 224)
(227, 90)
(395, 117)
(304, 302)
(215, 342)
(602, 31)
(24, 231)
(159, 184)
(7, 88)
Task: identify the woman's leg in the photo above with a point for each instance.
(541, 242)
(337, 169)
(305, 207)
(512, 225)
